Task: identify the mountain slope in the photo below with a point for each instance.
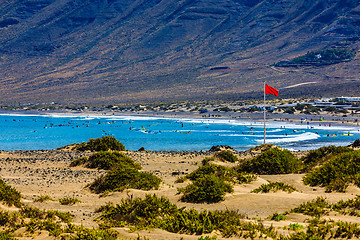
(100, 51)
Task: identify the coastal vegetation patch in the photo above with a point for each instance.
(315, 208)
(348, 207)
(9, 195)
(274, 187)
(69, 201)
(101, 144)
(211, 182)
(226, 156)
(159, 212)
(321, 155)
(124, 175)
(337, 173)
(105, 160)
(43, 198)
(320, 58)
(272, 161)
(208, 189)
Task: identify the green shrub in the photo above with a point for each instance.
(8, 219)
(43, 198)
(124, 176)
(278, 217)
(272, 161)
(226, 156)
(9, 195)
(83, 233)
(321, 155)
(105, 160)
(180, 179)
(69, 201)
(350, 206)
(262, 147)
(4, 235)
(337, 172)
(315, 208)
(208, 189)
(224, 173)
(210, 183)
(101, 144)
(208, 238)
(159, 212)
(274, 186)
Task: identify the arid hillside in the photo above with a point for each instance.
(113, 51)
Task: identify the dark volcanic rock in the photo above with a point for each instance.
(356, 143)
(220, 148)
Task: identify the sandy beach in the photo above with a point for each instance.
(36, 173)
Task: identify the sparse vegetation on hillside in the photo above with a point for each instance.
(321, 57)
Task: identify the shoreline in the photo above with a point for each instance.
(337, 120)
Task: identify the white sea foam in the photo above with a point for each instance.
(293, 138)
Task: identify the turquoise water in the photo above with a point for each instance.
(160, 134)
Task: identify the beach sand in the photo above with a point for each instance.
(47, 172)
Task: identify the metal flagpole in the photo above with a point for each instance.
(264, 115)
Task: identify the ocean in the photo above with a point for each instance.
(41, 132)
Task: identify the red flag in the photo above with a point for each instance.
(271, 90)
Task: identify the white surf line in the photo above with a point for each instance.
(296, 85)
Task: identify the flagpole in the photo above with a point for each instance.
(264, 116)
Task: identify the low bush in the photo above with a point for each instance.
(9, 195)
(36, 213)
(101, 144)
(278, 217)
(224, 173)
(211, 182)
(124, 176)
(263, 147)
(274, 186)
(82, 233)
(272, 161)
(69, 201)
(226, 156)
(159, 212)
(43, 198)
(337, 173)
(208, 189)
(315, 208)
(9, 219)
(295, 226)
(350, 206)
(318, 156)
(105, 160)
